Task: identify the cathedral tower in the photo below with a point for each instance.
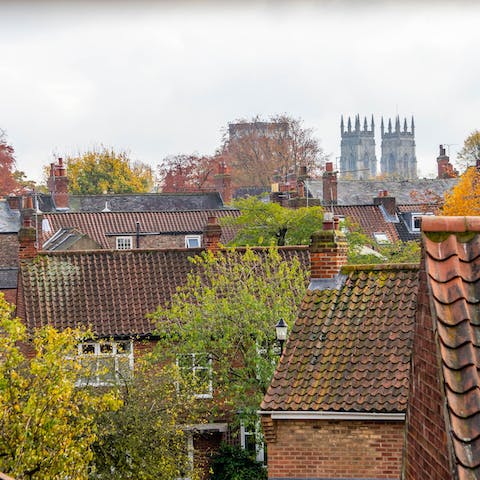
(357, 152)
(398, 150)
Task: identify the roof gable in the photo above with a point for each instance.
(349, 349)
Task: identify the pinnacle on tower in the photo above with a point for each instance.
(382, 127)
(405, 125)
(413, 127)
(357, 123)
(342, 128)
(365, 126)
(389, 125)
(373, 124)
(397, 124)
(349, 125)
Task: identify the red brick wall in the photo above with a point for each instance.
(426, 453)
(8, 250)
(335, 449)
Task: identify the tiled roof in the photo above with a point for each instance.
(361, 192)
(369, 217)
(109, 291)
(452, 263)
(97, 225)
(9, 219)
(146, 202)
(349, 349)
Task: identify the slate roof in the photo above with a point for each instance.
(349, 349)
(361, 192)
(99, 225)
(8, 277)
(9, 219)
(109, 291)
(146, 202)
(64, 239)
(452, 263)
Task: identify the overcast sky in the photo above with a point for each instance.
(160, 78)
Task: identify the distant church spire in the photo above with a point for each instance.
(389, 125)
(413, 127)
(382, 127)
(342, 128)
(397, 124)
(357, 123)
(365, 126)
(349, 125)
(405, 125)
(373, 124)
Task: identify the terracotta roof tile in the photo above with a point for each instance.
(98, 225)
(349, 349)
(109, 291)
(452, 260)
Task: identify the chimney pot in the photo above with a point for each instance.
(329, 166)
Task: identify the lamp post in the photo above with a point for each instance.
(281, 329)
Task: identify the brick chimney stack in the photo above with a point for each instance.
(27, 235)
(223, 183)
(389, 203)
(445, 168)
(58, 184)
(212, 234)
(328, 250)
(329, 179)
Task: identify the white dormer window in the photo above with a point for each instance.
(417, 221)
(124, 243)
(192, 241)
(381, 237)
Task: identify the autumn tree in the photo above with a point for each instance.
(47, 425)
(147, 438)
(8, 182)
(470, 153)
(104, 170)
(464, 198)
(220, 326)
(258, 150)
(268, 223)
(187, 173)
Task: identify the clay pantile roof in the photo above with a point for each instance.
(349, 349)
(369, 217)
(99, 225)
(452, 263)
(109, 291)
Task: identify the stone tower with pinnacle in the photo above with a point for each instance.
(398, 150)
(357, 155)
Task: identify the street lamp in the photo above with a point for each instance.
(281, 329)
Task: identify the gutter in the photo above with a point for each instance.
(332, 415)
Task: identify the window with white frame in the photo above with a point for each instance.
(251, 440)
(381, 237)
(417, 221)
(105, 362)
(197, 367)
(193, 241)
(124, 243)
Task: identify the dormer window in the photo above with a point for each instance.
(192, 241)
(124, 243)
(381, 237)
(417, 221)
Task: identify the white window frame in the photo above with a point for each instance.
(190, 453)
(381, 238)
(123, 243)
(259, 444)
(98, 379)
(195, 367)
(415, 216)
(193, 238)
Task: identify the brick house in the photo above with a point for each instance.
(443, 418)
(111, 292)
(336, 405)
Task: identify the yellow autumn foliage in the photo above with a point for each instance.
(464, 199)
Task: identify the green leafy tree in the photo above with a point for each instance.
(144, 439)
(47, 425)
(470, 153)
(262, 223)
(227, 311)
(234, 463)
(104, 170)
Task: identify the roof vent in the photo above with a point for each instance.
(106, 209)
